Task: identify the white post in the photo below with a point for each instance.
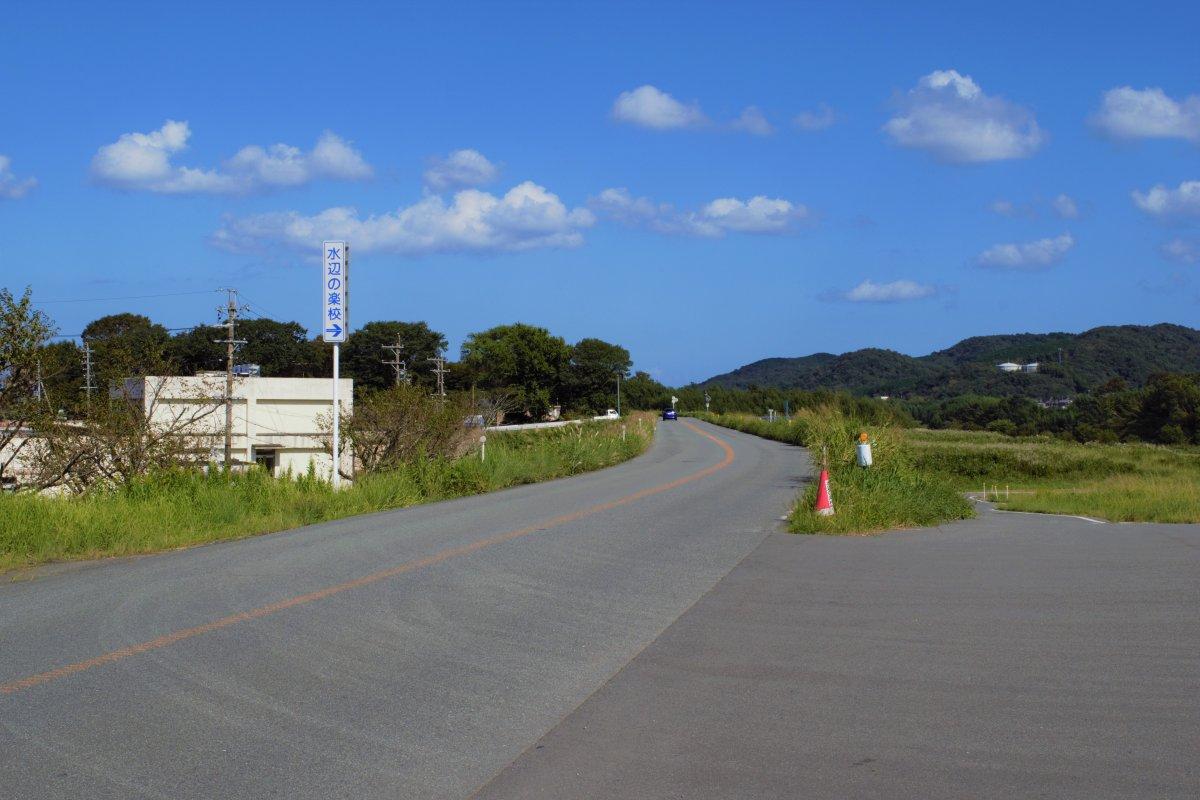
(336, 419)
(483, 448)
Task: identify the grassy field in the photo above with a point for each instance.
(1117, 482)
(179, 509)
(892, 494)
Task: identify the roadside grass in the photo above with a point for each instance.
(1117, 482)
(891, 494)
(183, 508)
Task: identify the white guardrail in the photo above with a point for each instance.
(533, 426)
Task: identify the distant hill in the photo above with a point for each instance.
(1070, 363)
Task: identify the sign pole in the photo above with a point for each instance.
(335, 327)
(336, 419)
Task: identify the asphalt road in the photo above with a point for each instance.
(406, 654)
(643, 632)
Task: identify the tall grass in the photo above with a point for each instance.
(1119, 482)
(920, 476)
(890, 494)
(181, 508)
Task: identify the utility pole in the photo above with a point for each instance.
(230, 342)
(401, 367)
(88, 385)
(618, 393)
(439, 370)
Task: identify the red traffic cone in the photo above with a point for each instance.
(824, 498)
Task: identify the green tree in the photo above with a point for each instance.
(63, 376)
(197, 350)
(280, 348)
(592, 370)
(643, 392)
(1170, 410)
(24, 331)
(126, 345)
(363, 355)
(523, 359)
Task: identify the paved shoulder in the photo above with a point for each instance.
(1008, 656)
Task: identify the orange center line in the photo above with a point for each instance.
(366, 580)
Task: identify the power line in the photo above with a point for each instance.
(126, 297)
(255, 304)
(168, 330)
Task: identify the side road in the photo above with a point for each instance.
(1007, 656)
(411, 653)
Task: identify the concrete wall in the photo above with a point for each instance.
(272, 417)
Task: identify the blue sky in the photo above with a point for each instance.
(903, 178)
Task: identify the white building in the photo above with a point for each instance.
(14, 438)
(1031, 367)
(278, 423)
(1008, 366)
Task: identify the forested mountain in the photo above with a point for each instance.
(1069, 363)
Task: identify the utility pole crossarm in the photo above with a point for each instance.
(88, 385)
(439, 369)
(396, 363)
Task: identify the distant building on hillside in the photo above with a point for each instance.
(1009, 366)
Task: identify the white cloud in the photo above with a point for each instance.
(1182, 250)
(1065, 207)
(752, 121)
(948, 115)
(897, 291)
(620, 205)
(717, 218)
(527, 217)
(757, 215)
(142, 162)
(460, 169)
(1028, 255)
(1165, 202)
(12, 187)
(1128, 113)
(816, 120)
(333, 157)
(650, 107)
(1004, 208)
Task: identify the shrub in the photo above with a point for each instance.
(891, 494)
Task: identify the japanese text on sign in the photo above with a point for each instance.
(335, 291)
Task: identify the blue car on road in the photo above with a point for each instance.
(669, 413)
